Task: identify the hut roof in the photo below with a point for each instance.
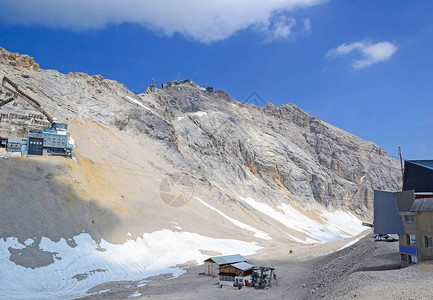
(227, 259)
(243, 266)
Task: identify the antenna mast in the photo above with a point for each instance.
(401, 162)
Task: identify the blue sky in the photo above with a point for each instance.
(363, 66)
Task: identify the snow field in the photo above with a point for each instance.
(257, 233)
(336, 225)
(153, 254)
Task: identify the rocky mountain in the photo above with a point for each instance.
(239, 168)
(218, 140)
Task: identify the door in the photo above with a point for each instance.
(413, 259)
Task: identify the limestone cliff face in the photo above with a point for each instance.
(276, 150)
(276, 153)
(19, 60)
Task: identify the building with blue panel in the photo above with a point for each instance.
(56, 140)
(409, 213)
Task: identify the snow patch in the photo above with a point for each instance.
(136, 294)
(306, 241)
(29, 242)
(257, 233)
(137, 102)
(343, 221)
(349, 244)
(153, 254)
(101, 292)
(199, 113)
(337, 225)
(142, 283)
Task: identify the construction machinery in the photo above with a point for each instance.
(262, 277)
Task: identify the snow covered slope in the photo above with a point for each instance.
(77, 269)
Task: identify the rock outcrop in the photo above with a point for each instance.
(19, 60)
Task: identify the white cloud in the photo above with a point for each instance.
(282, 27)
(307, 25)
(205, 21)
(370, 53)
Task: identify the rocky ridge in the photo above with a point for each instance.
(19, 60)
(274, 152)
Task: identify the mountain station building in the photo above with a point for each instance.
(409, 213)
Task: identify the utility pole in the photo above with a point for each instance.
(401, 162)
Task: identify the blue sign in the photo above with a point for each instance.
(408, 250)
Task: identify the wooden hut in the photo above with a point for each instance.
(235, 274)
(212, 265)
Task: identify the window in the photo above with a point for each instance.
(428, 241)
(409, 218)
(411, 240)
(403, 257)
(413, 259)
